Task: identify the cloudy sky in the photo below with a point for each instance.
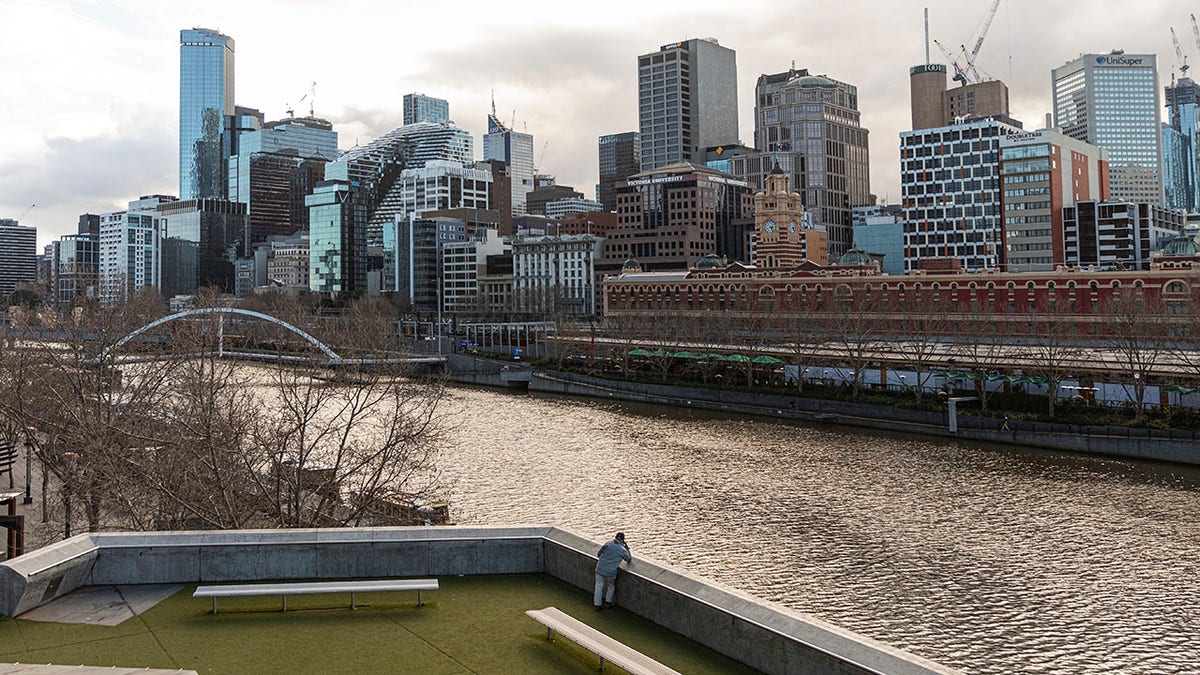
(89, 89)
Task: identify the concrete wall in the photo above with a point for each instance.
(467, 369)
(761, 634)
(1155, 445)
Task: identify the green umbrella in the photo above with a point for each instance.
(767, 359)
(687, 355)
(639, 352)
(739, 358)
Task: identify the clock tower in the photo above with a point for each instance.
(784, 235)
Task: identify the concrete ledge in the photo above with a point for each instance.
(763, 635)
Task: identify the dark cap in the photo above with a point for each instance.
(620, 536)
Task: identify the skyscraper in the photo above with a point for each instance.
(687, 101)
(422, 108)
(275, 169)
(808, 125)
(205, 100)
(950, 182)
(18, 255)
(1181, 147)
(1112, 101)
(620, 158)
(515, 149)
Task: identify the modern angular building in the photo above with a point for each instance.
(809, 126)
(18, 255)
(422, 108)
(206, 60)
(1112, 101)
(1043, 172)
(1181, 147)
(950, 184)
(687, 102)
(620, 158)
(515, 149)
(275, 169)
(337, 258)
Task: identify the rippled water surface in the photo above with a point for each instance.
(986, 559)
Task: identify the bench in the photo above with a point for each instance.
(597, 643)
(306, 588)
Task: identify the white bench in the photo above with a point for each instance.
(597, 643)
(305, 588)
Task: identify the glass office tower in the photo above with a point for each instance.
(1112, 101)
(205, 99)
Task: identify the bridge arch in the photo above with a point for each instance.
(219, 310)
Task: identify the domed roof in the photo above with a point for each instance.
(711, 262)
(1182, 245)
(856, 256)
(807, 81)
(777, 171)
(631, 265)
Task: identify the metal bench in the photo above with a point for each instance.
(306, 588)
(597, 643)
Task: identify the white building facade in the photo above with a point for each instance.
(556, 274)
(130, 250)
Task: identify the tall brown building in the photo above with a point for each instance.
(927, 86)
(668, 218)
(933, 105)
(784, 238)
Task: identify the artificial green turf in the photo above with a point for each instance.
(471, 625)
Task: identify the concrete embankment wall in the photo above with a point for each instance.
(1117, 442)
(761, 634)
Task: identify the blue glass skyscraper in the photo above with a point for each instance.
(1181, 147)
(205, 99)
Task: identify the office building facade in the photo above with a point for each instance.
(687, 101)
(816, 121)
(670, 218)
(556, 275)
(950, 185)
(18, 255)
(1112, 101)
(206, 60)
(515, 149)
(440, 185)
(422, 108)
(463, 263)
(201, 239)
(74, 268)
(1117, 235)
(275, 169)
(620, 158)
(561, 207)
(1042, 172)
(130, 249)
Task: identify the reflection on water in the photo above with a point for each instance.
(985, 559)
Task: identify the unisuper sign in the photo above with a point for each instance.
(1122, 60)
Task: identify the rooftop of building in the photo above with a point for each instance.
(472, 624)
(680, 168)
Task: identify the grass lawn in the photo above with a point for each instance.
(471, 625)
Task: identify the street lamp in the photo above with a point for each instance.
(903, 386)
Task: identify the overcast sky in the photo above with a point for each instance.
(89, 89)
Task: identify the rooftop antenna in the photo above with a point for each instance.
(312, 100)
(493, 103)
(926, 36)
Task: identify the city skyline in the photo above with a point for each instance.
(92, 119)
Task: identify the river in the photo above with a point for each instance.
(987, 559)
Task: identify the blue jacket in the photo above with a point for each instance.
(610, 556)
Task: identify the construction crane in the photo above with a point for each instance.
(25, 212)
(311, 96)
(1183, 67)
(959, 74)
(1196, 31)
(541, 155)
(969, 74)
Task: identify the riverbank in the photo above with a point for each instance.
(1126, 442)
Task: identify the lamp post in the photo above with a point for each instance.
(903, 386)
(28, 473)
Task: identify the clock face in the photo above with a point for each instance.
(792, 226)
(769, 226)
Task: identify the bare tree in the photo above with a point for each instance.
(919, 323)
(1135, 338)
(1054, 349)
(854, 324)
